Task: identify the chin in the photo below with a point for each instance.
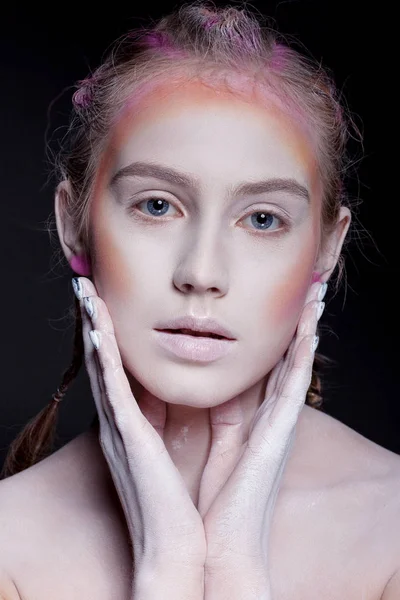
(189, 394)
(196, 390)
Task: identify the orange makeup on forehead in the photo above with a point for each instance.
(157, 101)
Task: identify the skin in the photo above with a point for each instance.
(205, 256)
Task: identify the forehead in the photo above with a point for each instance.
(193, 125)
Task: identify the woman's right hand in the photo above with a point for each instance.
(164, 525)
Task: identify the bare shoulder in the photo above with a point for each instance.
(338, 514)
(61, 516)
(343, 457)
(352, 456)
(363, 473)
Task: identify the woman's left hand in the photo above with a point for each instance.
(241, 479)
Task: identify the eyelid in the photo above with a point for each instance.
(258, 207)
(268, 209)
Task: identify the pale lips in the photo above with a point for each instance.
(195, 333)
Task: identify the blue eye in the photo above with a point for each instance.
(263, 219)
(156, 206)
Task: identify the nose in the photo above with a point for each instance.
(203, 266)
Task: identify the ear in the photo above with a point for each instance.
(332, 247)
(72, 247)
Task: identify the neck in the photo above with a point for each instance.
(188, 432)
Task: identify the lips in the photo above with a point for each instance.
(195, 326)
(195, 333)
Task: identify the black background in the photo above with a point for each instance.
(45, 51)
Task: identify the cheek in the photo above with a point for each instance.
(111, 271)
(291, 290)
(290, 294)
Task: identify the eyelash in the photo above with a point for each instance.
(285, 221)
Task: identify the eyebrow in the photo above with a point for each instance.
(157, 171)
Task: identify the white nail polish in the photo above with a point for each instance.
(94, 336)
(89, 306)
(322, 291)
(320, 310)
(315, 343)
(76, 284)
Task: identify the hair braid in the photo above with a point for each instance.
(36, 439)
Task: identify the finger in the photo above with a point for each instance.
(276, 374)
(271, 437)
(314, 297)
(123, 408)
(286, 361)
(155, 412)
(92, 368)
(84, 288)
(293, 391)
(307, 325)
(315, 293)
(227, 439)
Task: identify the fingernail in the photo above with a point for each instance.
(94, 336)
(320, 310)
(89, 306)
(322, 291)
(76, 284)
(315, 343)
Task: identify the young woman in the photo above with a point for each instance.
(202, 210)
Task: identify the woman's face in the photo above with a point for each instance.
(244, 258)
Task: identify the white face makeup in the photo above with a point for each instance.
(245, 257)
